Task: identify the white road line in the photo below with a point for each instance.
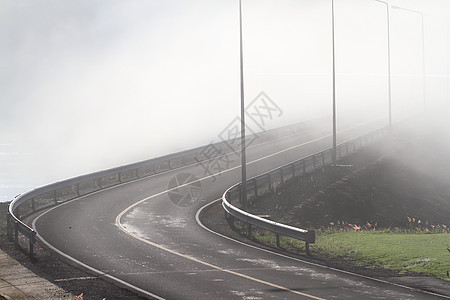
(197, 218)
(100, 273)
(128, 285)
(188, 257)
(236, 167)
(118, 281)
(120, 226)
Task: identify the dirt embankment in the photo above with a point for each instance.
(388, 184)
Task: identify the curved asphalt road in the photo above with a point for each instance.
(134, 234)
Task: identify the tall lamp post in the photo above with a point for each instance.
(243, 159)
(389, 59)
(333, 154)
(423, 50)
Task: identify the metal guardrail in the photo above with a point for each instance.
(52, 194)
(270, 181)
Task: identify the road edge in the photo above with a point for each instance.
(286, 255)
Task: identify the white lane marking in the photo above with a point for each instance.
(96, 271)
(188, 257)
(249, 147)
(197, 218)
(132, 287)
(237, 167)
(119, 224)
(85, 266)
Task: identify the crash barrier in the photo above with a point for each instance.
(270, 181)
(38, 199)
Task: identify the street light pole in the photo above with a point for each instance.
(389, 59)
(243, 158)
(423, 50)
(333, 158)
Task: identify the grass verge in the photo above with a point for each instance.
(402, 252)
(422, 253)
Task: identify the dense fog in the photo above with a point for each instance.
(89, 85)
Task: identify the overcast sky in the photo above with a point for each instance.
(91, 84)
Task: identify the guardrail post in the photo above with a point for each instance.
(8, 227)
(33, 207)
(323, 159)
(32, 239)
(256, 187)
(169, 164)
(77, 189)
(119, 178)
(278, 240)
(307, 248)
(230, 220)
(314, 161)
(137, 172)
(16, 233)
(99, 183)
(54, 196)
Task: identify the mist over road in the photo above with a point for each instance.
(135, 233)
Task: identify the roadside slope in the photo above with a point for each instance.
(393, 184)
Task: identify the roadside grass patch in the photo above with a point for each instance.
(403, 252)
(395, 249)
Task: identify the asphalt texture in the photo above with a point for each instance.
(148, 239)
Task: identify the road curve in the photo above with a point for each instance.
(134, 234)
